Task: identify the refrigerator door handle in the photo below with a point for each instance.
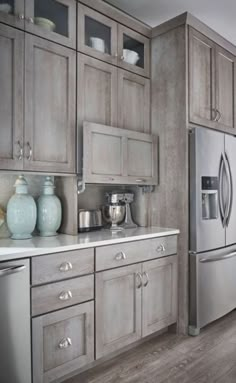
(230, 189)
(220, 258)
(221, 202)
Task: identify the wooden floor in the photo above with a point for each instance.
(208, 358)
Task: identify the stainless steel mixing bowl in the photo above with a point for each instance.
(114, 214)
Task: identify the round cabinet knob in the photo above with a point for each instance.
(21, 16)
(65, 343)
(161, 248)
(65, 295)
(66, 266)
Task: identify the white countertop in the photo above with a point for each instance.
(16, 249)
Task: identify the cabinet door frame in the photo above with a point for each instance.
(82, 61)
(83, 11)
(18, 97)
(147, 328)
(146, 42)
(122, 75)
(69, 41)
(47, 166)
(193, 118)
(16, 19)
(229, 56)
(101, 277)
(40, 322)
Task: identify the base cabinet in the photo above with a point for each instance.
(62, 342)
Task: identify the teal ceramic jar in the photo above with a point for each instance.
(21, 211)
(49, 210)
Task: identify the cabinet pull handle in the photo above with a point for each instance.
(65, 295)
(29, 157)
(120, 256)
(218, 115)
(66, 266)
(139, 180)
(215, 115)
(65, 343)
(161, 248)
(21, 151)
(21, 16)
(140, 280)
(147, 279)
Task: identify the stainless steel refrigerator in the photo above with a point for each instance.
(212, 226)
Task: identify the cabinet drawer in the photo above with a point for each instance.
(108, 257)
(54, 267)
(62, 342)
(62, 294)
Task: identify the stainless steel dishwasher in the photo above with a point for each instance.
(15, 344)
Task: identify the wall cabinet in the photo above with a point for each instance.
(119, 156)
(13, 13)
(211, 84)
(62, 342)
(103, 38)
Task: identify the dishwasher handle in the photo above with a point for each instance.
(11, 270)
(220, 258)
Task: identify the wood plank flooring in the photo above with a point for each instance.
(208, 358)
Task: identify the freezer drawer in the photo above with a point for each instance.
(212, 286)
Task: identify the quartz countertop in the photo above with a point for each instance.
(16, 249)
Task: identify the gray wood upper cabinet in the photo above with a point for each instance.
(62, 342)
(50, 116)
(13, 14)
(159, 305)
(118, 156)
(103, 38)
(133, 102)
(211, 84)
(118, 308)
(11, 97)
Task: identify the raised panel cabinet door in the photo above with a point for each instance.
(118, 308)
(62, 342)
(225, 89)
(12, 13)
(52, 19)
(50, 103)
(133, 102)
(11, 98)
(97, 96)
(201, 79)
(159, 305)
(133, 51)
(96, 35)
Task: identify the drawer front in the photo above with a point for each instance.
(62, 294)
(108, 257)
(62, 342)
(58, 266)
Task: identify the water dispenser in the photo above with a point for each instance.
(209, 195)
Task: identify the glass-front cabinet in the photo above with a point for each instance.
(133, 51)
(52, 19)
(97, 35)
(12, 12)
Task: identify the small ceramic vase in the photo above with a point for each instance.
(21, 211)
(49, 210)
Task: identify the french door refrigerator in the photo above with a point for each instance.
(212, 226)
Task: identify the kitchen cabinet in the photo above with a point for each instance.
(11, 97)
(118, 308)
(211, 84)
(119, 156)
(105, 39)
(62, 342)
(50, 117)
(159, 305)
(133, 102)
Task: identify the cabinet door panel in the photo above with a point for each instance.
(225, 69)
(133, 102)
(160, 294)
(11, 97)
(97, 95)
(201, 81)
(118, 309)
(50, 123)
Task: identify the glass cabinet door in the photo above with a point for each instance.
(97, 35)
(12, 12)
(52, 19)
(133, 51)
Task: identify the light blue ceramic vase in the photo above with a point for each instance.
(21, 211)
(49, 210)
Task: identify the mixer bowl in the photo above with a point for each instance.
(114, 214)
